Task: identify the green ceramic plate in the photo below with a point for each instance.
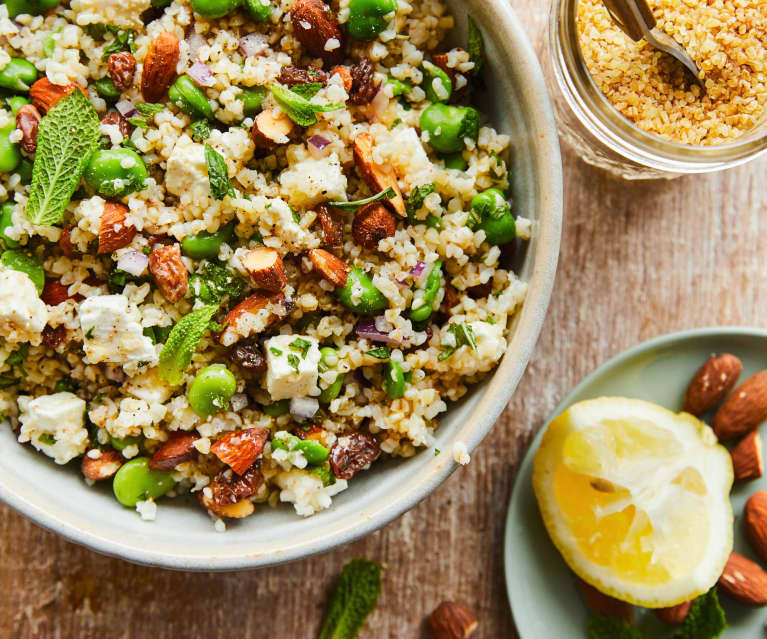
(541, 588)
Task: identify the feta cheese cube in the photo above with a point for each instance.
(311, 181)
(23, 314)
(54, 424)
(292, 366)
(186, 171)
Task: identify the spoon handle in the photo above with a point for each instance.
(634, 17)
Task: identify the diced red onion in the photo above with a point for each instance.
(239, 401)
(366, 329)
(201, 74)
(378, 105)
(303, 408)
(126, 108)
(318, 146)
(133, 262)
(417, 270)
(252, 44)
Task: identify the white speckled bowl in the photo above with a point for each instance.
(182, 537)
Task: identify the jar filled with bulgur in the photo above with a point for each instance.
(635, 111)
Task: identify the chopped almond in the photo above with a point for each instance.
(169, 271)
(372, 223)
(346, 76)
(241, 448)
(333, 269)
(103, 466)
(747, 463)
(44, 94)
(377, 177)
(178, 449)
(266, 268)
(114, 233)
(271, 128)
(250, 306)
(332, 229)
(602, 604)
(65, 242)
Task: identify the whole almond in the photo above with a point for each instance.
(452, 620)
(744, 581)
(169, 271)
(376, 176)
(114, 233)
(605, 605)
(332, 268)
(755, 522)
(266, 268)
(251, 305)
(711, 383)
(271, 128)
(314, 25)
(159, 67)
(674, 615)
(747, 457)
(27, 121)
(103, 466)
(44, 94)
(372, 223)
(743, 410)
(240, 449)
(178, 449)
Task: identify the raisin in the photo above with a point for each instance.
(27, 121)
(364, 88)
(53, 337)
(229, 488)
(250, 357)
(122, 68)
(360, 450)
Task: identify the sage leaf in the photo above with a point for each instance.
(218, 174)
(67, 137)
(182, 342)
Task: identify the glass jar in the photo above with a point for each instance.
(603, 137)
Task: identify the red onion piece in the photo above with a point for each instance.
(133, 262)
(378, 105)
(201, 74)
(303, 408)
(253, 44)
(366, 329)
(417, 270)
(126, 108)
(318, 146)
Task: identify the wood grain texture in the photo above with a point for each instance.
(638, 260)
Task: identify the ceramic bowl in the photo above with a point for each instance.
(182, 537)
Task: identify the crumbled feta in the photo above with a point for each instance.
(23, 314)
(292, 366)
(311, 182)
(186, 171)
(147, 509)
(54, 424)
(460, 454)
(491, 343)
(306, 492)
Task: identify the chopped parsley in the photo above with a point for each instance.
(47, 438)
(89, 333)
(490, 320)
(275, 351)
(200, 130)
(382, 352)
(124, 41)
(416, 198)
(437, 451)
(293, 361)
(212, 283)
(464, 336)
(296, 216)
(301, 346)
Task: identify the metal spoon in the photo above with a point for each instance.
(636, 20)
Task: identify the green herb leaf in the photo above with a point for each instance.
(705, 620)
(124, 41)
(275, 351)
(600, 627)
(356, 595)
(212, 283)
(139, 122)
(379, 353)
(464, 336)
(149, 109)
(476, 48)
(301, 345)
(383, 195)
(182, 343)
(200, 130)
(68, 134)
(298, 108)
(296, 216)
(307, 90)
(218, 174)
(293, 361)
(47, 438)
(416, 198)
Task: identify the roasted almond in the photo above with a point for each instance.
(169, 271)
(345, 74)
(711, 383)
(65, 242)
(28, 121)
(330, 267)
(674, 615)
(239, 510)
(121, 69)
(602, 604)
(265, 266)
(271, 128)
(317, 29)
(332, 229)
(377, 177)
(114, 233)
(55, 293)
(178, 449)
(44, 94)
(744, 581)
(233, 331)
(747, 457)
(103, 466)
(743, 410)
(372, 223)
(241, 448)
(159, 67)
(755, 522)
(452, 620)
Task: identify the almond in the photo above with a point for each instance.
(452, 620)
(239, 510)
(602, 604)
(54, 337)
(711, 383)
(747, 457)
(377, 177)
(28, 121)
(159, 67)
(103, 466)
(233, 331)
(372, 223)
(169, 271)
(755, 522)
(314, 25)
(345, 74)
(744, 581)
(332, 229)
(65, 242)
(460, 81)
(266, 268)
(44, 94)
(330, 267)
(114, 233)
(55, 293)
(674, 615)
(178, 449)
(240, 449)
(271, 128)
(743, 410)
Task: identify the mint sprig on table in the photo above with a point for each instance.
(354, 599)
(67, 137)
(182, 342)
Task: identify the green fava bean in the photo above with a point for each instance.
(188, 97)
(369, 301)
(399, 87)
(107, 89)
(281, 407)
(135, 482)
(32, 7)
(437, 84)
(121, 443)
(6, 211)
(10, 155)
(394, 380)
(328, 361)
(425, 302)
(211, 390)
(495, 217)
(253, 100)
(314, 452)
(18, 75)
(455, 161)
(16, 102)
(115, 172)
(18, 261)
(367, 18)
(206, 245)
(259, 10)
(448, 126)
(214, 8)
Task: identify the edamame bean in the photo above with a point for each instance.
(10, 155)
(448, 126)
(115, 172)
(328, 361)
(135, 482)
(188, 97)
(206, 245)
(495, 217)
(399, 87)
(214, 8)
(6, 211)
(259, 10)
(32, 7)
(394, 380)
(370, 301)
(253, 99)
(18, 261)
(436, 83)
(16, 102)
(423, 300)
(121, 443)
(455, 161)
(367, 18)
(18, 75)
(324, 473)
(211, 390)
(107, 89)
(314, 452)
(281, 407)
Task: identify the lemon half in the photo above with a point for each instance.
(636, 499)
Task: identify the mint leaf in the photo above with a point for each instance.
(383, 195)
(218, 174)
(416, 198)
(476, 48)
(307, 90)
(705, 621)
(182, 343)
(68, 134)
(379, 353)
(354, 599)
(298, 108)
(600, 627)
(149, 109)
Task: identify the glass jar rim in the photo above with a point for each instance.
(607, 124)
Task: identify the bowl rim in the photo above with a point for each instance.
(503, 382)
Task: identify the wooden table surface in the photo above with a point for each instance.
(638, 260)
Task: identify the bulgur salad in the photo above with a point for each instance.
(248, 246)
